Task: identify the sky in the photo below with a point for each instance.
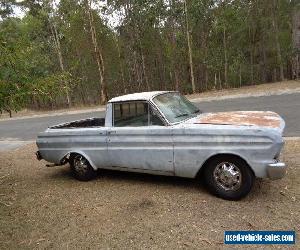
(18, 12)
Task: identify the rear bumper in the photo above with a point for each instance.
(276, 170)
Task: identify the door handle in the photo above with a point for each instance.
(111, 132)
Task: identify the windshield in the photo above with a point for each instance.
(175, 107)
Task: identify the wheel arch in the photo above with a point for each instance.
(66, 158)
(220, 155)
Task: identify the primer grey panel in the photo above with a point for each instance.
(149, 147)
(54, 144)
(194, 145)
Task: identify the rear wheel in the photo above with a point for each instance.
(81, 168)
(229, 177)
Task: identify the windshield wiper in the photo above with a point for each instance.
(181, 115)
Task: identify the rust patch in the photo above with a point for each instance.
(259, 118)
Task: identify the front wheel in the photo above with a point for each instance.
(229, 177)
(81, 168)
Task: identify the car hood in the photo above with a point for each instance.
(242, 118)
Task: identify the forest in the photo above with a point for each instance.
(57, 54)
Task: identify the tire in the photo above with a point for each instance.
(81, 168)
(229, 177)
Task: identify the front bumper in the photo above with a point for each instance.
(276, 170)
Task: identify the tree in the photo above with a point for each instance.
(276, 34)
(57, 46)
(98, 54)
(73, 51)
(188, 36)
(296, 43)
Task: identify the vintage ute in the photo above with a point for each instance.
(163, 133)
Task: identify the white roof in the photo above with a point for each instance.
(144, 96)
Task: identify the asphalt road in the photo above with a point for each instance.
(287, 105)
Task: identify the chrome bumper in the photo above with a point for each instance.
(276, 170)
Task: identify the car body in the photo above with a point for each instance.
(163, 133)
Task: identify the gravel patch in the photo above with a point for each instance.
(45, 208)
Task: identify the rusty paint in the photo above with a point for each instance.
(245, 118)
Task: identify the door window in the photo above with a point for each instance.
(135, 114)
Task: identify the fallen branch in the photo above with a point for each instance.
(206, 240)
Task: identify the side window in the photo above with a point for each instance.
(132, 114)
(155, 120)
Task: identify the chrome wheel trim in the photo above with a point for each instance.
(81, 164)
(228, 176)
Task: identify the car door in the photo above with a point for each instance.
(138, 140)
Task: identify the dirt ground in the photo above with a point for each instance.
(262, 89)
(42, 208)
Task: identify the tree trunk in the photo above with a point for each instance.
(144, 71)
(173, 60)
(188, 36)
(251, 58)
(206, 79)
(121, 65)
(297, 67)
(274, 75)
(296, 44)
(206, 66)
(216, 82)
(82, 88)
(174, 63)
(173, 48)
(98, 54)
(276, 34)
(225, 56)
(136, 71)
(60, 58)
(263, 59)
(240, 75)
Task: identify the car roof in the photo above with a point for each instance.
(143, 96)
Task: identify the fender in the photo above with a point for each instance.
(66, 157)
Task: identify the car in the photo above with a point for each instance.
(163, 133)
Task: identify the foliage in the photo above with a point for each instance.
(48, 54)
(12, 97)
(51, 87)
